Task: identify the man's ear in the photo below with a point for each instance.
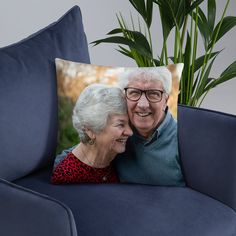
(167, 97)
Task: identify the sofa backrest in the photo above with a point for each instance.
(28, 95)
(207, 145)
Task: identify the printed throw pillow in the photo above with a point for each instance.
(73, 77)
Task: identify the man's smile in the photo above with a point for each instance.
(143, 114)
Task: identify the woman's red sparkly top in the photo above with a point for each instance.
(72, 170)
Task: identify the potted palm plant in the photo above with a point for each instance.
(187, 20)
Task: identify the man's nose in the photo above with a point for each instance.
(143, 102)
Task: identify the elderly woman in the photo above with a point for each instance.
(152, 155)
(101, 120)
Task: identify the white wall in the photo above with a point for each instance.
(18, 19)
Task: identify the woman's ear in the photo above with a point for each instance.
(90, 134)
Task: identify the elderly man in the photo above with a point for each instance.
(151, 155)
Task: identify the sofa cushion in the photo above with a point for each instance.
(126, 209)
(28, 96)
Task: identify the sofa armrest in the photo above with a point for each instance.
(24, 212)
(207, 145)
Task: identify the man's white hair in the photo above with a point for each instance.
(160, 73)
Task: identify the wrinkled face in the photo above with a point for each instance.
(113, 138)
(144, 115)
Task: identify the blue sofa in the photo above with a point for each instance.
(30, 205)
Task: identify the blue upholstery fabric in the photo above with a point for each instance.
(122, 209)
(26, 213)
(28, 128)
(28, 100)
(207, 144)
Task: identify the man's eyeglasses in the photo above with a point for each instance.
(152, 95)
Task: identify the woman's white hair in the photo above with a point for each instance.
(160, 73)
(94, 106)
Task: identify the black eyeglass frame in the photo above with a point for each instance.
(145, 93)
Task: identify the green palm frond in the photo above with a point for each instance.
(187, 20)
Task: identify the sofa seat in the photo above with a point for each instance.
(130, 209)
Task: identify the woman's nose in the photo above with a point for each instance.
(128, 131)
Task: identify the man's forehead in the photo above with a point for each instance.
(143, 82)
